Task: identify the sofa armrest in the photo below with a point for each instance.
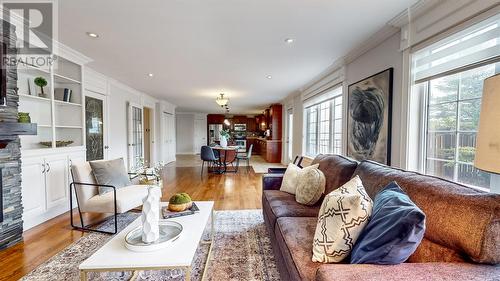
(408, 271)
(276, 170)
(271, 181)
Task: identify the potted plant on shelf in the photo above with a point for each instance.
(224, 137)
(41, 82)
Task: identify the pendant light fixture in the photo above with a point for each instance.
(221, 100)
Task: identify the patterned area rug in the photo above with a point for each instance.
(241, 251)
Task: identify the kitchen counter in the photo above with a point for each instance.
(263, 139)
(270, 150)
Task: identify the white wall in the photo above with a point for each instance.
(118, 97)
(382, 57)
(186, 132)
(377, 59)
(390, 47)
(184, 128)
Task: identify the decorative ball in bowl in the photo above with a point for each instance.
(180, 202)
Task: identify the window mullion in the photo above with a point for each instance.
(318, 109)
(332, 126)
(457, 125)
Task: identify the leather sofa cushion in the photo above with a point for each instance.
(337, 169)
(298, 234)
(279, 204)
(460, 218)
(408, 271)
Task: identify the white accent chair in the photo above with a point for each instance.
(117, 201)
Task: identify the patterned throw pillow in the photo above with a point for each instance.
(290, 178)
(343, 215)
(310, 186)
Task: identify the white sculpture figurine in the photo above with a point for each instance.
(151, 215)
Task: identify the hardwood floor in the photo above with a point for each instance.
(230, 192)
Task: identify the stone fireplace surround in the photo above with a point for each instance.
(11, 227)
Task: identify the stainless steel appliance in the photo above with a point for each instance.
(242, 144)
(240, 127)
(214, 133)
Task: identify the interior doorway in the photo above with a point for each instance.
(289, 134)
(147, 136)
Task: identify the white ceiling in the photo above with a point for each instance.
(199, 48)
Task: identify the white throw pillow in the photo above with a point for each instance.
(310, 187)
(290, 178)
(342, 217)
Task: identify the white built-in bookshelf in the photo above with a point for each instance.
(59, 117)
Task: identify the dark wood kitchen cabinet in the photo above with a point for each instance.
(275, 121)
(238, 119)
(215, 119)
(251, 124)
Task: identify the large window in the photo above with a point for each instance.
(453, 107)
(450, 74)
(323, 123)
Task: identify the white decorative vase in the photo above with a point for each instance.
(151, 216)
(223, 141)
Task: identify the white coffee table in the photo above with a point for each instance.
(114, 256)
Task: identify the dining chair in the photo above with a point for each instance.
(216, 153)
(245, 157)
(207, 155)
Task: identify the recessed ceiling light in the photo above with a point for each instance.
(289, 40)
(150, 75)
(269, 77)
(93, 35)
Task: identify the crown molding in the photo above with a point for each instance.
(376, 39)
(415, 11)
(66, 52)
(331, 74)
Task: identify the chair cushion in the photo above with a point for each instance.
(110, 172)
(395, 230)
(127, 198)
(82, 172)
(297, 233)
(278, 204)
(342, 217)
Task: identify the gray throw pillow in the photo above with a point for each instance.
(110, 172)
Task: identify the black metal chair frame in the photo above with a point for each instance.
(115, 214)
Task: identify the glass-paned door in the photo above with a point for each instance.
(136, 133)
(94, 128)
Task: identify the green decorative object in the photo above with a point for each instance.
(180, 202)
(23, 117)
(180, 198)
(41, 82)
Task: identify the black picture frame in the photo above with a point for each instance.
(372, 140)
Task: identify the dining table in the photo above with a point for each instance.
(227, 155)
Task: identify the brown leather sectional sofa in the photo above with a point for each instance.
(461, 242)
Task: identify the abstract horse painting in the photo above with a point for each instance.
(369, 118)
